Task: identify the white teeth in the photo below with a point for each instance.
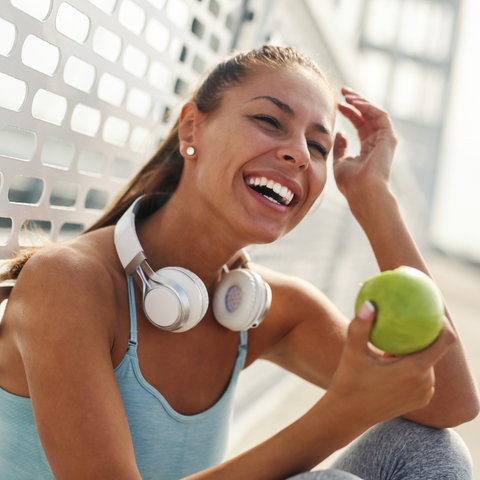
(279, 189)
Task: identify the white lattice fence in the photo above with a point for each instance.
(84, 85)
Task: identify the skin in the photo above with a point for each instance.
(66, 326)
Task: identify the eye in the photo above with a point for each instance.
(267, 119)
(319, 148)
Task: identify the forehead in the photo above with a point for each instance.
(303, 91)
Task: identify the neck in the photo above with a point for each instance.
(179, 236)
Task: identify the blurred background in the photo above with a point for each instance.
(85, 84)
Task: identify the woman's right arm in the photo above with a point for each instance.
(63, 309)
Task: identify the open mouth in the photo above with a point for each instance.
(271, 190)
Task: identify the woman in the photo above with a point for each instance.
(77, 349)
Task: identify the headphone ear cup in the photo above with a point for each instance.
(161, 306)
(192, 287)
(241, 300)
(202, 289)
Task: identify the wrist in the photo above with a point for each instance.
(373, 205)
(379, 215)
(338, 419)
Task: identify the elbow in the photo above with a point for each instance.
(453, 415)
(461, 408)
(465, 413)
(456, 419)
(470, 408)
(469, 412)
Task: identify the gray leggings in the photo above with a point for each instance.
(401, 450)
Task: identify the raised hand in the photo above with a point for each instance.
(371, 167)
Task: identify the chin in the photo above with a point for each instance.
(258, 229)
(264, 235)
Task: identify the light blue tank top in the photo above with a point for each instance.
(168, 445)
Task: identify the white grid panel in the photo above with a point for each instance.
(84, 85)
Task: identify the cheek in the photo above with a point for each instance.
(228, 143)
(318, 177)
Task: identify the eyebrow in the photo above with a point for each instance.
(290, 112)
(282, 106)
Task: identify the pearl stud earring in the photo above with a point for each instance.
(190, 151)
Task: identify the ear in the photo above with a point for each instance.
(187, 128)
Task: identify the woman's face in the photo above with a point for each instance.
(261, 157)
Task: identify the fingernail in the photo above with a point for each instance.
(350, 89)
(365, 311)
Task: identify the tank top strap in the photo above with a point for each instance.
(132, 341)
(243, 343)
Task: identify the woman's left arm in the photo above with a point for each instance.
(364, 181)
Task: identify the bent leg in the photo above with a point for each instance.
(325, 475)
(403, 450)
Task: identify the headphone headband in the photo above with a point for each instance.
(129, 250)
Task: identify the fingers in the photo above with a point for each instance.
(359, 329)
(354, 97)
(363, 114)
(340, 146)
(431, 355)
(352, 114)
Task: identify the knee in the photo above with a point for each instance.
(402, 431)
(325, 475)
(440, 447)
(406, 449)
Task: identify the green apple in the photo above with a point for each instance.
(409, 310)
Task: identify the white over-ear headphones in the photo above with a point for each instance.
(175, 299)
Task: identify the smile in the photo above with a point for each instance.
(273, 191)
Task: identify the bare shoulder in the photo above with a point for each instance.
(59, 263)
(290, 290)
(65, 307)
(298, 309)
(64, 281)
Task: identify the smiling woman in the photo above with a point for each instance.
(120, 349)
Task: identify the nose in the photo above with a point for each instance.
(295, 151)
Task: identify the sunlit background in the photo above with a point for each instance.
(85, 84)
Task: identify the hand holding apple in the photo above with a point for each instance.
(409, 309)
(369, 388)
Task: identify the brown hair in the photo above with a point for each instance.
(162, 173)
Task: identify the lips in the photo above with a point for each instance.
(270, 189)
